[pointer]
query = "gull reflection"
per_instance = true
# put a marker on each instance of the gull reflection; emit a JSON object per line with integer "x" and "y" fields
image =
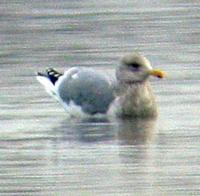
{"x": 87, "y": 130}
{"x": 138, "y": 131}
{"x": 123, "y": 132}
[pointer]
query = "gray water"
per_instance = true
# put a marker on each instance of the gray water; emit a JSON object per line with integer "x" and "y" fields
{"x": 44, "y": 153}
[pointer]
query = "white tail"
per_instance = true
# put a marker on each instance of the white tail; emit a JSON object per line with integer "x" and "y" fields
{"x": 48, "y": 85}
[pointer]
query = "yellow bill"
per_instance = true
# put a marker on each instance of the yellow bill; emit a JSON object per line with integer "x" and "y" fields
{"x": 157, "y": 73}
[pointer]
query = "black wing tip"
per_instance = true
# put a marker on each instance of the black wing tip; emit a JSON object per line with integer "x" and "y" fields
{"x": 40, "y": 74}
{"x": 52, "y": 71}
{"x": 49, "y": 69}
{"x": 51, "y": 74}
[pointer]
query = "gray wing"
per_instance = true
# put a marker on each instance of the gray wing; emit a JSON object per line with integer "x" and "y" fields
{"x": 87, "y": 89}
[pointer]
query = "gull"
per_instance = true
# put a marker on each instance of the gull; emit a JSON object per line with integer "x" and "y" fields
{"x": 85, "y": 92}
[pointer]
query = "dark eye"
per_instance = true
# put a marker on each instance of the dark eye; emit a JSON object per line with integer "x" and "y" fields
{"x": 134, "y": 65}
